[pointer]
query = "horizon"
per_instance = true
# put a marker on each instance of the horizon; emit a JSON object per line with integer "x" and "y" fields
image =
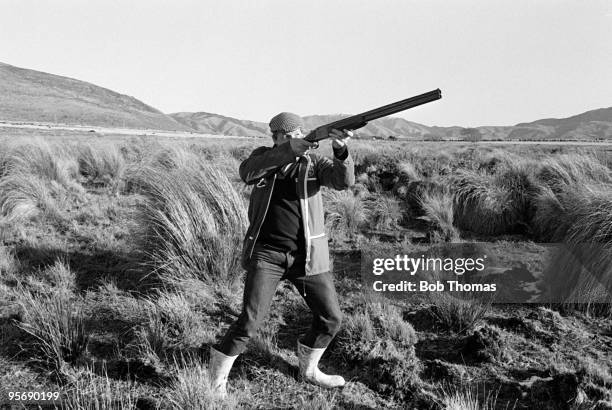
{"x": 497, "y": 64}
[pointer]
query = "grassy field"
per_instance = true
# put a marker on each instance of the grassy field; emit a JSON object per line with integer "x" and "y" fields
{"x": 119, "y": 267}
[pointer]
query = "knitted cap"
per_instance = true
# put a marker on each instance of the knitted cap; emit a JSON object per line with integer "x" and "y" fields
{"x": 286, "y": 122}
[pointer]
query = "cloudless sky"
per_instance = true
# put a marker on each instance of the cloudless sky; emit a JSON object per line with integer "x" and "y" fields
{"x": 498, "y": 62}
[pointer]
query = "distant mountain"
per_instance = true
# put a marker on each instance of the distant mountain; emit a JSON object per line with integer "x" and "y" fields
{"x": 207, "y": 123}
{"x": 34, "y": 96}
{"x": 28, "y": 95}
{"x": 595, "y": 124}
{"x": 217, "y": 124}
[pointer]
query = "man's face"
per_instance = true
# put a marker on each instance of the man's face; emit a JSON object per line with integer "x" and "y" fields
{"x": 282, "y": 138}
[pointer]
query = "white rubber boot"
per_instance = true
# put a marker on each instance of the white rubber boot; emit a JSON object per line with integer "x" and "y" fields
{"x": 309, "y": 359}
{"x": 219, "y": 367}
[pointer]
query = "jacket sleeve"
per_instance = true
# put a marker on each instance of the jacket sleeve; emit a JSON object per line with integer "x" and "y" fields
{"x": 264, "y": 161}
{"x": 338, "y": 173}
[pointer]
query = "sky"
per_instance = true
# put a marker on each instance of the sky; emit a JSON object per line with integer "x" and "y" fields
{"x": 497, "y": 62}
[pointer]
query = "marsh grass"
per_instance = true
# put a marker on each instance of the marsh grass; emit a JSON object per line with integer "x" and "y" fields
{"x": 192, "y": 224}
{"x": 408, "y": 172}
{"x": 459, "y": 315}
{"x": 569, "y": 169}
{"x": 318, "y": 402}
{"x": 101, "y": 166}
{"x": 90, "y": 391}
{"x": 42, "y": 160}
{"x": 383, "y": 212}
{"x": 459, "y": 312}
{"x": 167, "y": 324}
{"x": 574, "y": 207}
{"x": 24, "y": 196}
{"x": 4, "y": 158}
{"x": 376, "y": 339}
{"x": 191, "y": 388}
{"x": 184, "y": 325}
{"x": 494, "y": 204}
{"x": 466, "y": 397}
{"x": 57, "y": 324}
{"x": 387, "y": 318}
{"x": 9, "y": 264}
{"x": 438, "y": 207}
{"x": 345, "y": 213}
{"x": 193, "y": 219}
{"x": 60, "y": 275}
{"x": 597, "y": 372}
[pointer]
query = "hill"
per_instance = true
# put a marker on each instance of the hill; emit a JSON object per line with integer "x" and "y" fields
{"x": 591, "y": 125}
{"x": 34, "y": 96}
{"x": 594, "y": 124}
{"x": 218, "y": 124}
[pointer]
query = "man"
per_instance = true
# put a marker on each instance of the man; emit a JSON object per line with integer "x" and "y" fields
{"x": 286, "y": 240}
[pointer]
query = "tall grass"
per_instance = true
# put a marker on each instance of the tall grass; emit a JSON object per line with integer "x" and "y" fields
{"x": 57, "y": 324}
{"x": 383, "y": 212}
{"x": 438, "y": 207}
{"x": 191, "y": 388}
{"x": 458, "y": 314}
{"x": 345, "y": 213}
{"x": 408, "y": 172}
{"x": 494, "y": 204}
{"x": 24, "y": 196}
{"x": 101, "y": 165}
{"x": 60, "y": 275}
{"x": 569, "y": 169}
{"x": 4, "y": 158}
{"x": 169, "y": 325}
{"x": 466, "y": 398}
{"x": 92, "y": 392}
{"x": 41, "y": 160}
{"x": 175, "y": 157}
{"x": 574, "y": 206}
{"x": 9, "y": 265}
{"x": 36, "y": 179}
{"x": 376, "y": 339}
{"x": 194, "y": 220}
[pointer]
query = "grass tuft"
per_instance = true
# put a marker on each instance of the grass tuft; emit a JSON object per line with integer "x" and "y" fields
{"x": 24, "y": 196}
{"x": 383, "y": 212}
{"x": 466, "y": 398}
{"x": 92, "y": 392}
{"x": 345, "y": 213}
{"x": 194, "y": 219}
{"x": 57, "y": 324}
{"x": 101, "y": 166}
{"x": 438, "y": 208}
{"x": 191, "y": 389}
{"x": 457, "y": 314}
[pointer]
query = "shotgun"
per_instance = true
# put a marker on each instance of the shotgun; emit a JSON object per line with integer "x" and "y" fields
{"x": 361, "y": 120}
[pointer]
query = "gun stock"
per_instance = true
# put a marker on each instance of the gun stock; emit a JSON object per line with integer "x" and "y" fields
{"x": 361, "y": 120}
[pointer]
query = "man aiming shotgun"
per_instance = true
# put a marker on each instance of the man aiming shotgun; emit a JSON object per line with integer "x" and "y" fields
{"x": 286, "y": 237}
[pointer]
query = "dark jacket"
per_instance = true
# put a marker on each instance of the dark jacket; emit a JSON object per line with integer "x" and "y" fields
{"x": 314, "y": 171}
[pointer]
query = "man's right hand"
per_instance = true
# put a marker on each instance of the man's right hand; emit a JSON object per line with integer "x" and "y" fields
{"x": 300, "y": 146}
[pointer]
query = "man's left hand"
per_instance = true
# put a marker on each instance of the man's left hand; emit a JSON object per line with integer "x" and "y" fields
{"x": 340, "y": 138}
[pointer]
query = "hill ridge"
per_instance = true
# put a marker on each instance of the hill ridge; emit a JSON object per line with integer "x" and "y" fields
{"x": 30, "y": 95}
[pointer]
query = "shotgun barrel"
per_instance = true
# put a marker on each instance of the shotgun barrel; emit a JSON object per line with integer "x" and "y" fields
{"x": 361, "y": 120}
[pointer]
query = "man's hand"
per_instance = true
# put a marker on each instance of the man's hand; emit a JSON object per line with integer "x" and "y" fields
{"x": 340, "y": 138}
{"x": 300, "y": 146}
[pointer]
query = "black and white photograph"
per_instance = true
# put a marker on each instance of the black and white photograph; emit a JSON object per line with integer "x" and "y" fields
{"x": 312, "y": 205}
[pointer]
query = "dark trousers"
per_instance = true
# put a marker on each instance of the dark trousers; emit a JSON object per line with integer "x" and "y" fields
{"x": 266, "y": 269}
